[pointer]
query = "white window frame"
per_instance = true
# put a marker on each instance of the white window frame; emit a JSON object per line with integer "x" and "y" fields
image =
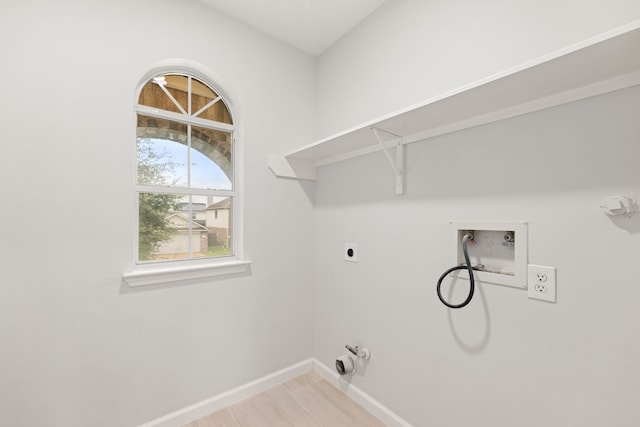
{"x": 163, "y": 272}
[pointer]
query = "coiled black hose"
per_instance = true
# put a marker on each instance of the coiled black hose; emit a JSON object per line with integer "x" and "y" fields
{"x": 467, "y": 267}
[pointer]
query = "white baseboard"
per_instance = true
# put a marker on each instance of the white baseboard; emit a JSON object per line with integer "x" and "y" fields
{"x": 375, "y": 408}
{"x": 222, "y": 400}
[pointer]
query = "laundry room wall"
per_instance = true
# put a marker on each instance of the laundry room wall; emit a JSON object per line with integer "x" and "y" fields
{"x": 78, "y": 347}
{"x": 504, "y": 359}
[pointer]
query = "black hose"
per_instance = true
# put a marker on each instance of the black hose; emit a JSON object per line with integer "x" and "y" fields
{"x": 468, "y": 267}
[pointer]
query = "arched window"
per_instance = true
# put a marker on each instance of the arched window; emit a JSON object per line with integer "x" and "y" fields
{"x": 186, "y": 184}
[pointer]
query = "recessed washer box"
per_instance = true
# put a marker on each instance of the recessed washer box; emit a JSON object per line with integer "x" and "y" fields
{"x": 498, "y": 247}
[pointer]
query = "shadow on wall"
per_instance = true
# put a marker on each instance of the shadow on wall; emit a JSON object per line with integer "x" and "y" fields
{"x": 476, "y": 340}
{"x": 629, "y": 223}
{"x": 583, "y": 145}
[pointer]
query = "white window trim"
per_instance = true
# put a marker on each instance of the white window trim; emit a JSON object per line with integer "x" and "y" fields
{"x": 157, "y": 274}
{"x": 175, "y": 271}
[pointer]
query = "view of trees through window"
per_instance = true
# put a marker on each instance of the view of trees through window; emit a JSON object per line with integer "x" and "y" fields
{"x": 185, "y": 170}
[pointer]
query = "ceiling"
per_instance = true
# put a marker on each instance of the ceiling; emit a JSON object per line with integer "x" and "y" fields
{"x": 309, "y": 25}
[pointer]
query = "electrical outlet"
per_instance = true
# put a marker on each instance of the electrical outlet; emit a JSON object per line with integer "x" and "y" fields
{"x": 541, "y": 282}
{"x": 351, "y": 252}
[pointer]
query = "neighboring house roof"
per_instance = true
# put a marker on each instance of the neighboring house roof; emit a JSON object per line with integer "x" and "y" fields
{"x": 222, "y": 204}
{"x": 192, "y": 206}
{"x": 182, "y": 222}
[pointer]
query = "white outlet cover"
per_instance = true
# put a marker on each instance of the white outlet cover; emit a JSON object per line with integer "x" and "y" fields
{"x": 354, "y": 252}
{"x": 541, "y": 282}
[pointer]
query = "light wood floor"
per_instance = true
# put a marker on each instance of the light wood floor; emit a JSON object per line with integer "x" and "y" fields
{"x": 307, "y": 400}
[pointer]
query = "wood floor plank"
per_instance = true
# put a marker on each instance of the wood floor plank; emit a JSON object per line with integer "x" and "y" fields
{"x": 200, "y": 422}
{"x": 303, "y": 380}
{"x": 203, "y": 422}
{"x": 294, "y": 410}
{"x": 272, "y": 408}
{"x": 222, "y": 418}
{"x": 331, "y": 407}
{"x": 305, "y": 401}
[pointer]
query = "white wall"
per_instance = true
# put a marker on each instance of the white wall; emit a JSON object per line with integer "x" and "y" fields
{"x": 410, "y": 50}
{"x": 504, "y": 360}
{"x": 77, "y": 348}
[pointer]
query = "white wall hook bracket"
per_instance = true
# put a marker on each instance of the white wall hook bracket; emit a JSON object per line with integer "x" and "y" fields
{"x": 396, "y": 160}
{"x": 619, "y": 205}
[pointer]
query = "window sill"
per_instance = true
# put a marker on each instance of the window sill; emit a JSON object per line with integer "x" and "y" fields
{"x": 166, "y": 274}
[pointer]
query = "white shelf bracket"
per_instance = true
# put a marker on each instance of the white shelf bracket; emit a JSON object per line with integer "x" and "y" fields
{"x": 395, "y": 160}
{"x": 291, "y": 168}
